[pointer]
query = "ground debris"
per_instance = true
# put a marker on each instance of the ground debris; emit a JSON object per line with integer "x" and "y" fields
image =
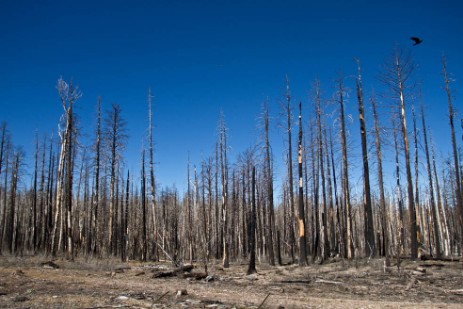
{"x": 20, "y": 298}
{"x": 333, "y": 285}
{"x": 327, "y": 281}
{"x": 49, "y": 265}
{"x": 18, "y": 273}
{"x": 181, "y": 293}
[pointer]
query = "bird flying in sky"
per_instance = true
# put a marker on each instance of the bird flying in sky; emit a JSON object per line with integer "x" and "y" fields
{"x": 416, "y": 40}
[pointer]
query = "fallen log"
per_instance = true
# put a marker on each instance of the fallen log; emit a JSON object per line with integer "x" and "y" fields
{"x": 327, "y": 281}
{"x": 176, "y": 272}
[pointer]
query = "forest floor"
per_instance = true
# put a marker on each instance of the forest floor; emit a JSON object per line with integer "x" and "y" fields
{"x": 34, "y": 282}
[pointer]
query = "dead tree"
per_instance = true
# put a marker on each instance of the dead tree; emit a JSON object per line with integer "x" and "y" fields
{"x": 401, "y": 231}
{"x": 458, "y": 193}
{"x": 420, "y": 210}
{"x": 252, "y": 240}
{"x": 96, "y": 245}
{"x": 115, "y": 140}
{"x": 435, "y": 211}
{"x": 152, "y": 179}
{"x": 3, "y": 152}
{"x": 369, "y": 233}
{"x": 301, "y": 210}
{"x": 33, "y": 223}
{"x": 292, "y": 240}
{"x": 397, "y": 77}
{"x": 68, "y": 95}
{"x": 440, "y": 204}
{"x": 269, "y": 179}
{"x": 345, "y": 175}
{"x": 382, "y": 200}
{"x": 224, "y": 178}
{"x": 143, "y": 209}
{"x": 321, "y": 229}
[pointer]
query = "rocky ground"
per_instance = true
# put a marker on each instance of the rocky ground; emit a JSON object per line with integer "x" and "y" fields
{"x": 37, "y": 282}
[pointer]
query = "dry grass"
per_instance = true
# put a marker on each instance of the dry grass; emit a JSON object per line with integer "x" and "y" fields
{"x": 25, "y": 283}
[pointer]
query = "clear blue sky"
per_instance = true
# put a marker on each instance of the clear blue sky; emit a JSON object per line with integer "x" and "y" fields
{"x": 201, "y": 57}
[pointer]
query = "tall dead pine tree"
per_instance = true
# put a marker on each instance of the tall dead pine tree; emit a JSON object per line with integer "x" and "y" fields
{"x": 68, "y": 95}
{"x": 292, "y": 240}
{"x": 301, "y": 211}
{"x": 369, "y": 233}
{"x": 252, "y": 240}
{"x": 396, "y": 77}
{"x": 382, "y": 199}
{"x": 224, "y": 174}
{"x": 115, "y": 138}
{"x": 435, "y": 211}
{"x": 152, "y": 179}
{"x": 345, "y": 175}
{"x": 459, "y": 197}
{"x": 269, "y": 178}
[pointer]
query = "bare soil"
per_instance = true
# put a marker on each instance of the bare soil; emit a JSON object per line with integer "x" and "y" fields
{"x": 29, "y": 283}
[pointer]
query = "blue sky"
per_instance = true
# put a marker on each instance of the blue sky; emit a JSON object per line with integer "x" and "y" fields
{"x": 203, "y": 57}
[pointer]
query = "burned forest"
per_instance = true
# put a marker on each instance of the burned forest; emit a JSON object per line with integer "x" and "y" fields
{"x": 357, "y": 195}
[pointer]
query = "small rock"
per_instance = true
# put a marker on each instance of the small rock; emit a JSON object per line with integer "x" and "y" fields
{"x": 280, "y": 307}
{"x": 181, "y": 293}
{"x": 140, "y": 274}
{"x": 121, "y": 298}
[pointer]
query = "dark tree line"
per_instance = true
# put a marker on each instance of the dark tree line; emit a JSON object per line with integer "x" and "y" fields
{"x": 81, "y": 201}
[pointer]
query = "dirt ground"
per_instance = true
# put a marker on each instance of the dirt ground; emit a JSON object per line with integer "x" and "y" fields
{"x": 31, "y": 283}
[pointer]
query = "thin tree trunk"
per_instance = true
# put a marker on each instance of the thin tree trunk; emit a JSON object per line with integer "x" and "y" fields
{"x": 458, "y": 193}
{"x": 369, "y": 233}
{"x": 301, "y": 210}
{"x": 382, "y": 200}
{"x": 152, "y": 179}
{"x": 345, "y": 175}
{"x": 224, "y": 173}
{"x": 252, "y": 240}
{"x": 269, "y": 177}
{"x": 292, "y": 240}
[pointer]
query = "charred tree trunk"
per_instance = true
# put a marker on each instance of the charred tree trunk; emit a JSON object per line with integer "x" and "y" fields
{"x": 301, "y": 210}
{"x": 345, "y": 176}
{"x": 458, "y": 193}
{"x": 269, "y": 177}
{"x": 252, "y": 240}
{"x": 369, "y": 233}
{"x": 152, "y": 179}
{"x": 382, "y": 200}
{"x": 3, "y": 191}
{"x": 224, "y": 174}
